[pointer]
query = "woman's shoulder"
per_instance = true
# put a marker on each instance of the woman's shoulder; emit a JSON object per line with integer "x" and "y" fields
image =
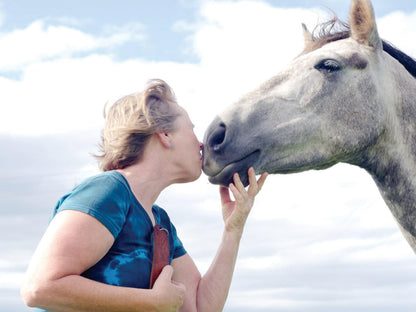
{"x": 110, "y": 177}
{"x": 104, "y": 196}
{"x": 98, "y": 190}
{"x": 105, "y": 182}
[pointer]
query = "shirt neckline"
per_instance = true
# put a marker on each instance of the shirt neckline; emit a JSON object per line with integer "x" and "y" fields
{"x": 135, "y": 199}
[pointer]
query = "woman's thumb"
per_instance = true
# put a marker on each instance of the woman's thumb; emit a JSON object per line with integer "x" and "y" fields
{"x": 166, "y": 273}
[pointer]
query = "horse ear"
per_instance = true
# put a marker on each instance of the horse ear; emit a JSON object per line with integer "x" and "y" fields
{"x": 307, "y": 36}
{"x": 363, "y": 23}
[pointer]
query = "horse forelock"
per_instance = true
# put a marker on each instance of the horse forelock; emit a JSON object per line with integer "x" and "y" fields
{"x": 335, "y": 29}
{"x": 326, "y": 32}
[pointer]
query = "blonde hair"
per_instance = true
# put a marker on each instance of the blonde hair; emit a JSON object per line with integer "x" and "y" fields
{"x": 132, "y": 120}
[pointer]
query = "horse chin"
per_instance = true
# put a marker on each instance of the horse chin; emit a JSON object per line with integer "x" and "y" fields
{"x": 225, "y": 176}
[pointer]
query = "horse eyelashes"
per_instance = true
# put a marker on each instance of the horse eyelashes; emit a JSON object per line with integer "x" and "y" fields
{"x": 328, "y": 65}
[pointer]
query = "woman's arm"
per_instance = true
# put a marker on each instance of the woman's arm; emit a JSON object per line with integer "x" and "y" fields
{"x": 210, "y": 292}
{"x": 73, "y": 242}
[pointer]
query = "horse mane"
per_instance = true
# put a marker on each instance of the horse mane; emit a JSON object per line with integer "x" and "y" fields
{"x": 335, "y": 29}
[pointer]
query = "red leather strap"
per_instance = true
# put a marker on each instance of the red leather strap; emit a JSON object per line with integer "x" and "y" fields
{"x": 160, "y": 252}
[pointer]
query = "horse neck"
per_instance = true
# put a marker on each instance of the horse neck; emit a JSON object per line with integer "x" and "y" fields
{"x": 397, "y": 185}
{"x": 392, "y": 161}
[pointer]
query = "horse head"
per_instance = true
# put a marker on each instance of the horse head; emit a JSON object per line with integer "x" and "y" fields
{"x": 328, "y": 106}
{"x": 344, "y": 99}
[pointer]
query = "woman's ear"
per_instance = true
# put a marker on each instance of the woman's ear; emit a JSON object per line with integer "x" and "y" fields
{"x": 165, "y": 139}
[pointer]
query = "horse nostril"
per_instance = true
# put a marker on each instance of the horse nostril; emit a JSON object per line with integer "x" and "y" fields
{"x": 217, "y": 137}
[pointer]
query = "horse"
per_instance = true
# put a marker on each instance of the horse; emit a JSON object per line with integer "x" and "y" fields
{"x": 349, "y": 97}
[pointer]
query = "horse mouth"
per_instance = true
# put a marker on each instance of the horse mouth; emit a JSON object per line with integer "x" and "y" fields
{"x": 225, "y": 176}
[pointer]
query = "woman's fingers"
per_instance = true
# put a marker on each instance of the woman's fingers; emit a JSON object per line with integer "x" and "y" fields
{"x": 262, "y": 179}
{"x": 238, "y": 189}
{"x": 237, "y": 181}
{"x": 255, "y": 185}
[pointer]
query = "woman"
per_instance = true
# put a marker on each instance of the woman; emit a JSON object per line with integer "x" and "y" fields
{"x": 96, "y": 254}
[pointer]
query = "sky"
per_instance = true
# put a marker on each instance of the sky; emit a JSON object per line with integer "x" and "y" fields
{"x": 315, "y": 241}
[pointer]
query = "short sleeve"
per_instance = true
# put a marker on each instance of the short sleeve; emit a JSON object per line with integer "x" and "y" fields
{"x": 178, "y": 249}
{"x": 103, "y": 197}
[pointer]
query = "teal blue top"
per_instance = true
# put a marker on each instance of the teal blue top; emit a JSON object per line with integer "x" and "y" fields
{"x": 108, "y": 198}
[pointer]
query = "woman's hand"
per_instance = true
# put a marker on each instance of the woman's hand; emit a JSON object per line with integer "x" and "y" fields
{"x": 209, "y": 293}
{"x": 170, "y": 294}
{"x": 235, "y": 213}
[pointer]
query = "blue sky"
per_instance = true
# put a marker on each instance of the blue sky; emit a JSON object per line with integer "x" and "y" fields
{"x": 316, "y": 241}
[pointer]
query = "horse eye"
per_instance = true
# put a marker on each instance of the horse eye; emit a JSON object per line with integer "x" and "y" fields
{"x": 328, "y": 65}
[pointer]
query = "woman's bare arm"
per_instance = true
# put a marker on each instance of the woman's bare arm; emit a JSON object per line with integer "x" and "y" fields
{"x": 73, "y": 242}
{"x": 209, "y": 293}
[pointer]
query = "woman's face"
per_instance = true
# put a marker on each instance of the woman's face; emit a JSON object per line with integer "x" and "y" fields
{"x": 187, "y": 148}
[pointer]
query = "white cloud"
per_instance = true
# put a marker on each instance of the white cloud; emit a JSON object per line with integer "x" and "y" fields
{"x": 40, "y": 41}
{"x": 399, "y": 28}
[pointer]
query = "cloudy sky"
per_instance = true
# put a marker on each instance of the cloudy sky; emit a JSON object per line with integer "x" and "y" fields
{"x": 316, "y": 241}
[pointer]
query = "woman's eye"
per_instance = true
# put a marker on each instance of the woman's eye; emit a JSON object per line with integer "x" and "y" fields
{"x": 328, "y": 65}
